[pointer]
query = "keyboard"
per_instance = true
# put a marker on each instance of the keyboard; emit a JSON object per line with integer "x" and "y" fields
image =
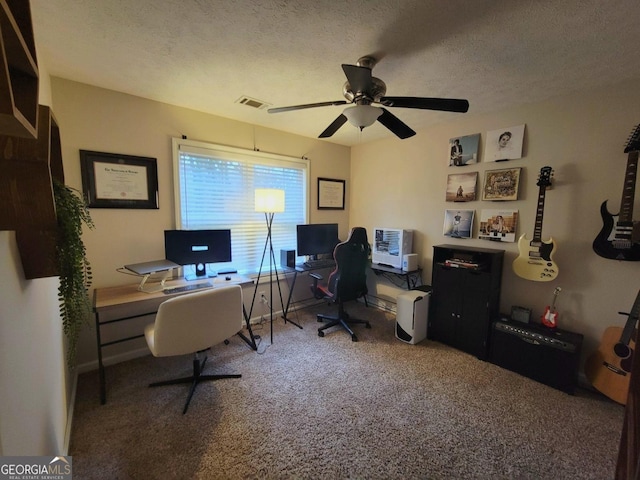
{"x": 187, "y": 288}
{"x": 322, "y": 263}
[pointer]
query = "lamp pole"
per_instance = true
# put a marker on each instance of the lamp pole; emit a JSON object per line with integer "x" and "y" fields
{"x": 270, "y": 201}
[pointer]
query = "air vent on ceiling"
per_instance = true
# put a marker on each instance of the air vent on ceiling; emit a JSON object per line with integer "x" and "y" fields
{"x": 252, "y": 102}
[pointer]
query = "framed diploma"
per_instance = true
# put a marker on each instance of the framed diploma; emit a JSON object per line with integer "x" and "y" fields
{"x": 331, "y": 194}
{"x": 111, "y": 180}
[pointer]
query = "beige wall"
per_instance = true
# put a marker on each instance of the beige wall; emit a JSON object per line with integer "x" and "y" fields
{"x": 392, "y": 183}
{"x": 91, "y": 118}
{"x": 401, "y": 184}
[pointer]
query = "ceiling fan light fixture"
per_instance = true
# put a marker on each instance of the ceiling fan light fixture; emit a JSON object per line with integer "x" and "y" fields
{"x": 362, "y": 116}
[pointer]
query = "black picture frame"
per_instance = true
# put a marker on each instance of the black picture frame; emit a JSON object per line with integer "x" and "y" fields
{"x": 331, "y": 193}
{"x": 113, "y": 180}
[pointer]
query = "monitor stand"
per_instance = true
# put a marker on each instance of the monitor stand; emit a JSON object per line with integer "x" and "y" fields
{"x": 201, "y": 273}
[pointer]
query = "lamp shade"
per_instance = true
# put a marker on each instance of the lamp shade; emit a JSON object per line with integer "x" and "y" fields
{"x": 270, "y": 200}
{"x": 362, "y": 115}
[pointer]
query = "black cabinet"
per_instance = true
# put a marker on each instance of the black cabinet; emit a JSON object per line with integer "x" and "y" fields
{"x": 465, "y": 296}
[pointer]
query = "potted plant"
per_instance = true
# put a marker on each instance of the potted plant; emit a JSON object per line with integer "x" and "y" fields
{"x": 73, "y": 266}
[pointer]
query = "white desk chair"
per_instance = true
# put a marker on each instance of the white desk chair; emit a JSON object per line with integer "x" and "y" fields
{"x": 192, "y": 323}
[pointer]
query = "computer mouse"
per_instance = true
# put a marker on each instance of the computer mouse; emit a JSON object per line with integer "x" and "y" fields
{"x": 227, "y": 277}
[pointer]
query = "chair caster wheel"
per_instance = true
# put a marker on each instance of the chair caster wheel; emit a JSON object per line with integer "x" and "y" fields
{"x": 320, "y": 334}
{"x": 367, "y": 325}
{"x": 354, "y": 338}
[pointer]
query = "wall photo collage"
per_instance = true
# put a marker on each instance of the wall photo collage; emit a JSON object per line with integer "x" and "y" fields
{"x": 498, "y": 185}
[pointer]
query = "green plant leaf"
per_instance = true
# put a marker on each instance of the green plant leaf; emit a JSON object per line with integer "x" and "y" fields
{"x": 73, "y": 266}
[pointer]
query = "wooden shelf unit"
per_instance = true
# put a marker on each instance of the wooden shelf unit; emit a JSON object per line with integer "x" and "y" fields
{"x": 19, "y": 81}
{"x": 30, "y": 149}
{"x": 27, "y": 204}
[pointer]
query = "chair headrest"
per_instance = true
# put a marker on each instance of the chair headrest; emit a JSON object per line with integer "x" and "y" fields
{"x": 358, "y": 235}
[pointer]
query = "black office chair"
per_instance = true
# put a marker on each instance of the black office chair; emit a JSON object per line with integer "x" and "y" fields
{"x": 347, "y": 282}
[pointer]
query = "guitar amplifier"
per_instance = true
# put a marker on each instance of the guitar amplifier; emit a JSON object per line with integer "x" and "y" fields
{"x": 549, "y": 356}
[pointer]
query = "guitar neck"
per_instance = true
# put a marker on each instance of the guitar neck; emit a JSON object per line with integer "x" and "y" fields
{"x": 631, "y": 321}
{"x": 537, "y": 229}
{"x": 629, "y": 190}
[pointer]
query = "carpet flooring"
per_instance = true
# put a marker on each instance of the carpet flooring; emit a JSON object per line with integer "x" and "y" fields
{"x": 328, "y": 408}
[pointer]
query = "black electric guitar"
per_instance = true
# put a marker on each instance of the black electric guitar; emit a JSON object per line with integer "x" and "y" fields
{"x": 608, "y": 368}
{"x": 618, "y": 238}
{"x": 535, "y": 261}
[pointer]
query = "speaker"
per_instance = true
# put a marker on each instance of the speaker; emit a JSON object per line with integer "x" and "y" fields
{"x": 548, "y": 356}
{"x": 410, "y": 262}
{"x": 288, "y": 258}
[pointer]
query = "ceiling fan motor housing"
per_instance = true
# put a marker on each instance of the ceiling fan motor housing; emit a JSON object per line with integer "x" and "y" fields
{"x": 377, "y": 90}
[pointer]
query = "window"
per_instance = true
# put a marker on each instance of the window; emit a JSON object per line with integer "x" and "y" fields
{"x": 214, "y": 188}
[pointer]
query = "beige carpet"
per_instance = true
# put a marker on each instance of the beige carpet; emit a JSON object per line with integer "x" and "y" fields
{"x": 326, "y": 408}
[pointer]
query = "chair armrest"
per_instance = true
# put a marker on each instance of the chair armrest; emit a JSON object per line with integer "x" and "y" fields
{"x": 315, "y": 289}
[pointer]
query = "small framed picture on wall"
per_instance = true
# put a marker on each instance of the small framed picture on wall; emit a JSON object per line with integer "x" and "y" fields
{"x": 501, "y": 184}
{"x": 331, "y": 194}
{"x": 461, "y": 187}
{"x": 463, "y": 150}
{"x": 504, "y": 144}
{"x": 458, "y": 223}
{"x": 498, "y": 225}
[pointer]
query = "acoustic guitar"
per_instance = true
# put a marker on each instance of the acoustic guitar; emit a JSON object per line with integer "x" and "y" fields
{"x": 609, "y": 367}
{"x": 535, "y": 259}
{"x": 618, "y": 238}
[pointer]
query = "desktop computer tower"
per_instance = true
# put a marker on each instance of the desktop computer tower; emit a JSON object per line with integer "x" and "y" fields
{"x": 412, "y": 315}
{"x": 288, "y": 258}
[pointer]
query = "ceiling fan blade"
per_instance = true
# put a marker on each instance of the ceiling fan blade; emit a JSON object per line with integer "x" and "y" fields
{"x": 308, "y": 105}
{"x": 333, "y": 128}
{"x": 425, "y": 103}
{"x": 397, "y": 126}
{"x": 359, "y": 77}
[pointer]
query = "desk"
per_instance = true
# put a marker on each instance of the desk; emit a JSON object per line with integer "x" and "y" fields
{"x": 413, "y": 278}
{"x": 126, "y": 302}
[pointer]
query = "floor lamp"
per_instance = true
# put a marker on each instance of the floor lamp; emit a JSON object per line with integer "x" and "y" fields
{"x": 270, "y": 201}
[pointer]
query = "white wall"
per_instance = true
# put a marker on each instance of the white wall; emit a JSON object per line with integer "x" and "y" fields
{"x": 401, "y": 184}
{"x": 33, "y": 377}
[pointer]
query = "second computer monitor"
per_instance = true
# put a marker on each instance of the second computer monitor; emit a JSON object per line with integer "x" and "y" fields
{"x": 197, "y": 247}
{"x": 316, "y": 239}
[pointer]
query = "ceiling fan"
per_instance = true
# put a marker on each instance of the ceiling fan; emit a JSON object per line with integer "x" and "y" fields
{"x": 362, "y": 89}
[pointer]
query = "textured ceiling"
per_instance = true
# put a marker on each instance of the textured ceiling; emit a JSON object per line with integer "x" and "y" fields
{"x": 205, "y": 54}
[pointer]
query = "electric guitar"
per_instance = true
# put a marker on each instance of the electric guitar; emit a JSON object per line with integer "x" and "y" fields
{"x": 618, "y": 234}
{"x": 550, "y": 315}
{"x": 535, "y": 260}
{"x": 608, "y": 368}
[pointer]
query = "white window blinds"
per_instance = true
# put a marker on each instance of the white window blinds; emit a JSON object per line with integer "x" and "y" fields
{"x": 214, "y": 188}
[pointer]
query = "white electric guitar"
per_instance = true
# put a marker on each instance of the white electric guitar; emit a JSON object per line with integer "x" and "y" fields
{"x": 535, "y": 261}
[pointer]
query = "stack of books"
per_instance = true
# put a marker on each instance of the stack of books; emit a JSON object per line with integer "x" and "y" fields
{"x": 459, "y": 263}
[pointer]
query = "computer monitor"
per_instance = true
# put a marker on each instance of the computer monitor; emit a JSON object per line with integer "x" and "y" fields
{"x": 197, "y": 247}
{"x": 316, "y": 239}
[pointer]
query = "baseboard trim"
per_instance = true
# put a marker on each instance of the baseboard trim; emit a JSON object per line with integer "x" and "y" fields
{"x": 113, "y": 359}
{"x": 70, "y": 411}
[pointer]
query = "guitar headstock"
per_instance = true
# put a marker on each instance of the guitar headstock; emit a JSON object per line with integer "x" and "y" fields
{"x": 633, "y": 143}
{"x": 544, "y": 179}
